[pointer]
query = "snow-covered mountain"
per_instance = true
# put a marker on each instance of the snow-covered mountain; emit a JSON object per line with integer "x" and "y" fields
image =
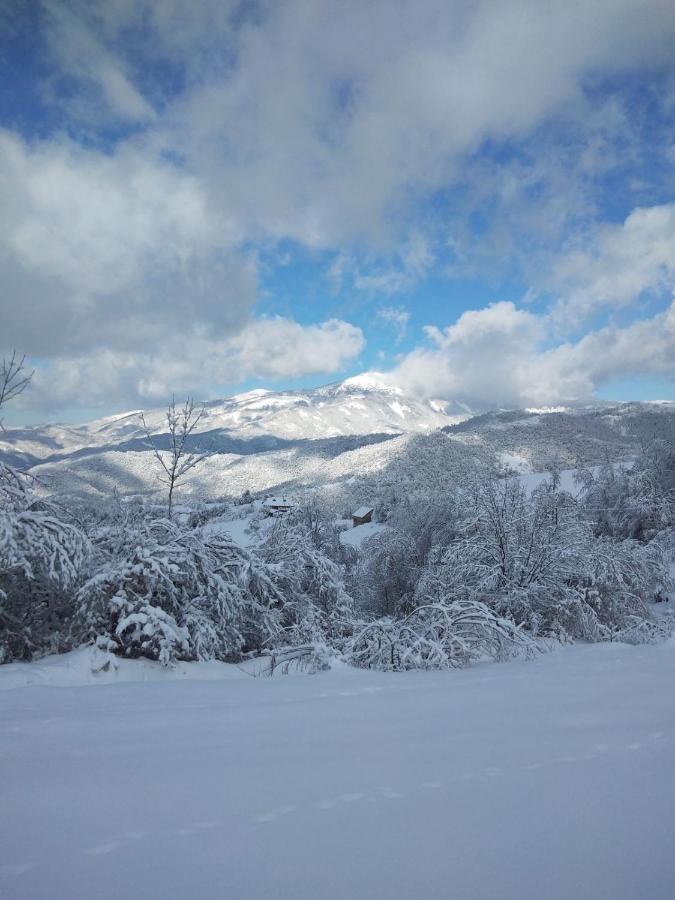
{"x": 250, "y": 422}
{"x": 341, "y": 433}
{"x": 364, "y": 404}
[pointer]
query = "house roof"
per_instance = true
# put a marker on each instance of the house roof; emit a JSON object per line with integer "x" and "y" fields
{"x": 277, "y": 501}
{"x": 362, "y": 511}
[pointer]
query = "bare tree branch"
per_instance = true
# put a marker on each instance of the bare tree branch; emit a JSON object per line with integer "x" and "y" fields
{"x": 181, "y": 424}
{"x": 14, "y": 379}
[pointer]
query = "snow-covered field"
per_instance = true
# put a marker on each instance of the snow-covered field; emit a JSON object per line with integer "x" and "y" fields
{"x": 552, "y": 778}
{"x": 354, "y": 537}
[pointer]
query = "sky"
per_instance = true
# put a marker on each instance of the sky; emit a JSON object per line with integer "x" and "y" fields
{"x": 476, "y": 199}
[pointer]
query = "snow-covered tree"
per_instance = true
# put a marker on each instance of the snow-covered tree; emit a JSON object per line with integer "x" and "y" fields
{"x": 536, "y": 560}
{"x": 431, "y": 519}
{"x": 316, "y": 605}
{"x": 637, "y": 501}
{"x": 387, "y": 572}
{"x": 14, "y": 378}
{"x": 42, "y": 559}
{"x": 437, "y": 636}
{"x": 175, "y": 593}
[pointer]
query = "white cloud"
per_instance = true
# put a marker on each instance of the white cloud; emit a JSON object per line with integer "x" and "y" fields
{"x": 481, "y": 360}
{"x": 117, "y": 269}
{"x": 401, "y": 270}
{"x": 498, "y": 357}
{"x": 100, "y": 72}
{"x": 324, "y": 123}
{"x": 396, "y": 316}
{"x": 646, "y": 347}
{"x": 193, "y": 363}
{"x": 327, "y": 124}
{"x": 281, "y": 348}
{"x": 335, "y": 117}
{"x": 623, "y": 262}
{"x": 113, "y": 250}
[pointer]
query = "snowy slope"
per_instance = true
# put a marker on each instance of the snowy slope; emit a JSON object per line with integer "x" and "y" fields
{"x": 532, "y": 439}
{"x": 551, "y": 778}
{"x": 358, "y": 406}
{"x": 267, "y": 441}
{"x": 263, "y": 439}
{"x": 407, "y": 460}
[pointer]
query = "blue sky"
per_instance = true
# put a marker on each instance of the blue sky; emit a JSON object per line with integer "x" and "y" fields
{"x": 475, "y": 199}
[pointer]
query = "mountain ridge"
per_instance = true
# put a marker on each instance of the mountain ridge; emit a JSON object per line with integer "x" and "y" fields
{"x": 358, "y": 428}
{"x": 361, "y": 405}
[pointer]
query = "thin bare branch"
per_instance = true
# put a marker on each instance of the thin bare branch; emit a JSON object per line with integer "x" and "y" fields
{"x": 178, "y": 460}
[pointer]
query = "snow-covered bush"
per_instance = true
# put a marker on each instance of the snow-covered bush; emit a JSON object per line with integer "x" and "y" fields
{"x": 392, "y": 562}
{"x": 633, "y": 502}
{"x": 387, "y": 572}
{"x": 42, "y": 559}
{"x": 316, "y": 605}
{"x": 309, "y": 658}
{"x": 437, "y": 636}
{"x": 536, "y": 561}
{"x": 175, "y": 593}
{"x": 204, "y": 512}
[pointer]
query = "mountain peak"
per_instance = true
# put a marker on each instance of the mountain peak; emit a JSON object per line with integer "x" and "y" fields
{"x": 369, "y": 381}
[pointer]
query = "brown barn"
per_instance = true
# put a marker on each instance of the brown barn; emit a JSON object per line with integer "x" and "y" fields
{"x": 362, "y": 515}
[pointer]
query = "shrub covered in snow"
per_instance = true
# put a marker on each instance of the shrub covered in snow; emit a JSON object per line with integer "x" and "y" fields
{"x": 633, "y": 502}
{"x": 536, "y": 560}
{"x": 173, "y": 593}
{"x": 42, "y": 559}
{"x": 437, "y": 636}
{"x": 316, "y": 605}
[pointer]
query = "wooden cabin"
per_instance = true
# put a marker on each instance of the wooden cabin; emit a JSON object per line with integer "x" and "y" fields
{"x": 362, "y": 515}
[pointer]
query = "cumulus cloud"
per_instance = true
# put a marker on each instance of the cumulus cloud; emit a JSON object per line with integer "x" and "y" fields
{"x": 500, "y": 356}
{"x": 117, "y": 250}
{"x": 192, "y": 135}
{"x": 575, "y": 371}
{"x": 193, "y": 363}
{"x": 481, "y": 360}
{"x": 624, "y": 262}
{"x": 335, "y": 116}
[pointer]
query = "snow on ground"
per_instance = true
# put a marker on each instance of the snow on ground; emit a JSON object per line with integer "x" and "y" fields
{"x": 238, "y": 529}
{"x": 551, "y": 778}
{"x": 532, "y": 480}
{"x": 515, "y": 462}
{"x": 354, "y": 537}
{"x": 87, "y": 665}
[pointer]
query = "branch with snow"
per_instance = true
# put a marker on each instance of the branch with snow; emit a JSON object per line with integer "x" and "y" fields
{"x": 438, "y": 636}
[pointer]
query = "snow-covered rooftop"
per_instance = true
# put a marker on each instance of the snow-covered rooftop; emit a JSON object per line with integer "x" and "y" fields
{"x": 362, "y": 511}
